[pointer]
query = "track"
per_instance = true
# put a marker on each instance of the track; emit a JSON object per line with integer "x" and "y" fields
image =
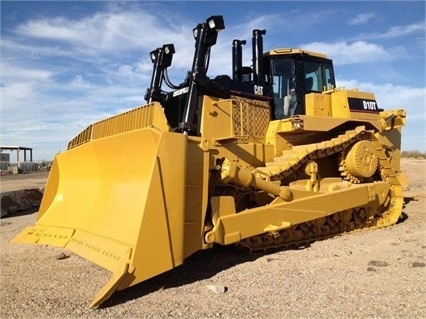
{"x": 357, "y": 218}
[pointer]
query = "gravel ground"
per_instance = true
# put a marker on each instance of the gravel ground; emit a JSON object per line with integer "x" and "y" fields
{"x": 366, "y": 274}
{"x": 22, "y": 181}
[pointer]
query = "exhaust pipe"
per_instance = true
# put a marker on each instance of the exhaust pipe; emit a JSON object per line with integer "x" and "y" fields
{"x": 237, "y": 59}
{"x": 257, "y": 46}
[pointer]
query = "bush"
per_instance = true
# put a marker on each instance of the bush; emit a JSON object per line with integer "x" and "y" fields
{"x": 413, "y": 154}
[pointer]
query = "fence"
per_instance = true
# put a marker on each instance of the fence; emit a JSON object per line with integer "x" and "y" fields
{"x": 24, "y": 167}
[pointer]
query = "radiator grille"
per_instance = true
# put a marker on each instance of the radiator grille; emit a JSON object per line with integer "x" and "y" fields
{"x": 250, "y": 117}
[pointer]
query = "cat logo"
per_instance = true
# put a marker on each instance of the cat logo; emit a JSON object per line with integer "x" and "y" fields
{"x": 258, "y": 90}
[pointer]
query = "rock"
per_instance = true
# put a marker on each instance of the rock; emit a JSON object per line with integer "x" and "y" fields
{"x": 61, "y": 256}
{"x": 378, "y": 263}
{"x": 371, "y": 269}
{"x": 217, "y": 288}
{"x": 417, "y": 264}
{"x": 2, "y": 223}
{"x": 14, "y": 201}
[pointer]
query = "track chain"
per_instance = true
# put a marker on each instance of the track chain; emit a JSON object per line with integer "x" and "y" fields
{"x": 341, "y": 222}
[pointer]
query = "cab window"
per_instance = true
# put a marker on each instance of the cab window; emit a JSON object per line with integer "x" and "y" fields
{"x": 284, "y": 85}
{"x": 317, "y": 76}
{"x": 312, "y": 77}
{"x": 329, "y": 77}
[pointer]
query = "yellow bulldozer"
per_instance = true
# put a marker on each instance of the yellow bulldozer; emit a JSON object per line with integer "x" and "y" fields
{"x": 271, "y": 156}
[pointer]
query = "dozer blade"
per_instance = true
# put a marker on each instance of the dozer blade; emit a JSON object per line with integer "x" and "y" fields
{"x": 117, "y": 201}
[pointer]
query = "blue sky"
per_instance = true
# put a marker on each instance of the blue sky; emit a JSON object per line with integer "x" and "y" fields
{"x": 67, "y": 64}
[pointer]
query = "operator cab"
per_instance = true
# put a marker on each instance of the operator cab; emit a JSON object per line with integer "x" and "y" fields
{"x": 293, "y": 73}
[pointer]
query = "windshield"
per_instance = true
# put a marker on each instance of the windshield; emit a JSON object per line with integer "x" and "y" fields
{"x": 284, "y": 86}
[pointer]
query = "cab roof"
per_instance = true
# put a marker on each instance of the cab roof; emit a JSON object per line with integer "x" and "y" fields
{"x": 289, "y": 51}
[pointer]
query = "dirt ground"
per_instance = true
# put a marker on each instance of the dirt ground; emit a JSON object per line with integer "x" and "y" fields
{"x": 22, "y": 181}
{"x": 365, "y": 274}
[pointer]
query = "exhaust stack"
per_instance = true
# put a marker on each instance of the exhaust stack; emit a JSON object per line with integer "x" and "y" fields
{"x": 257, "y": 46}
{"x": 237, "y": 59}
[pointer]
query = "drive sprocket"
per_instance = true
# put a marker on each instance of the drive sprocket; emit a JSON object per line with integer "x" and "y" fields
{"x": 359, "y": 162}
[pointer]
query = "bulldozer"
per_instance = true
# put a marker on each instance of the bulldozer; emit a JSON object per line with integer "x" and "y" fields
{"x": 273, "y": 155}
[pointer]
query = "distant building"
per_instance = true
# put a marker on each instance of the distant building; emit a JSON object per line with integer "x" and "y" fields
{"x": 18, "y": 149}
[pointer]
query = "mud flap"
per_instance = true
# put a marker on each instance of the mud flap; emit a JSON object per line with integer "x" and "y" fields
{"x": 118, "y": 202}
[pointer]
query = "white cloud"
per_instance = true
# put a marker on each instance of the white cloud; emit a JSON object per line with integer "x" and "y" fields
{"x": 396, "y": 31}
{"x": 52, "y": 29}
{"x": 104, "y": 32}
{"x": 399, "y": 31}
{"x": 79, "y": 81}
{"x": 362, "y": 18}
{"x": 11, "y": 72}
{"x": 15, "y": 100}
{"x": 356, "y": 52}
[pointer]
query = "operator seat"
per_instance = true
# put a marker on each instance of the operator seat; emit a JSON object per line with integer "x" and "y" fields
{"x": 290, "y": 103}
